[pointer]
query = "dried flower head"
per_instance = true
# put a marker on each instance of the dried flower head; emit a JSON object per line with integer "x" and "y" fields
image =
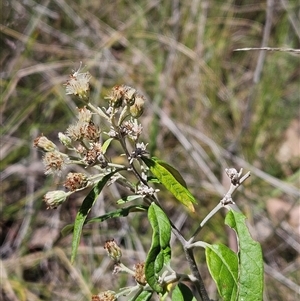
{"x": 54, "y": 162}
{"x": 44, "y": 144}
{"x": 78, "y": 84}
{"x": 120, "y": 94}
{"x": 91, "y": 132}
{"x": 131, "y": 129}
{"x": 54, "y": 198}
{"x": 83, "y": 130}
{"x": 113, "y": 250}
{"x": 105, "y": 296}
{"x": 75, "y": 181}
{"x": 74, "y": 131}
{"x": 84, "y": 115}
{"x": 139, "y": 276}
{"x": 115, "y": 97}
{"x": 92, "y": 155}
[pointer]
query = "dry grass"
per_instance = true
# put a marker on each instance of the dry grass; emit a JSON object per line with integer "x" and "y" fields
{"x": 208, "y": 108}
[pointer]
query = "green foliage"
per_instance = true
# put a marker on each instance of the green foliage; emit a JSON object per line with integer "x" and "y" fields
{"x": 222, "y": 263}
{"x": 251, "y": 270}
{"x": 182, "y": 293}
{"x": 172, "y": 180}
{"x": 159, "y": 254}
{"x": 182, "y": 57}
{"x": 113, "y": 214}
{"x": 143, "y": 296}
{"x": 238, "y": 276}
{"x": 84, "y": 210}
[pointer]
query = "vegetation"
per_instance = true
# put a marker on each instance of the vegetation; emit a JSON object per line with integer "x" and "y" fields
{"x": 207, "y": 108}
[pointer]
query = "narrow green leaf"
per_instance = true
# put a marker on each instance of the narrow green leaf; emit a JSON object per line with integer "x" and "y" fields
{"x": 112, "y": 214}
{"x": 182, "y": 292}
{"x": 67, "y": 230}
{"x": 222, "y": 263}
{"x": 84, "y": 210}
{"x": 175, "y": 173}
{"x": 152, "y": 179}
{"x": 171, "y": 182}
{"x": 250, "y": 260}
{"x": 118, "y": 213}
{"x": 160, "y": 251}
{"x": 129, "y": 198}
{"x": 143, "y": 296}
{"x": 106, "y": 144}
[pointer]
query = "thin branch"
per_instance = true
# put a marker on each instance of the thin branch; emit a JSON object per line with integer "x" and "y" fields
{"x": 198, "y": 282}
{"x": 193, "y": 266}
{"x": 221, "y": 153}
{"x": 236, "y": 181}
{"x": 297, "y": 51}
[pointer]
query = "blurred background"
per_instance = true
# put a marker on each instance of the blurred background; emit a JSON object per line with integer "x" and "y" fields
{"x": 208, "y": 108}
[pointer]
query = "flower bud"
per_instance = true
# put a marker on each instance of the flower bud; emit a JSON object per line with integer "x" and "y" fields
{"x": 113, "y": 250}
{"x": 54, "y": 198}
{"x": 64, "y": 139}
{"x": 129, "y": 95}
{"x": 44, "y": 144}
{"x": 137, "y": 109}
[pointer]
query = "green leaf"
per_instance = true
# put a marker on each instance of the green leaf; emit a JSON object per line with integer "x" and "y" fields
{"x": 129, "y": 198}
{"x": 250, "y": 260}
{"x": 67, "y": 230}
{"x": 175, "y": 173}
{"x": 118, "y": 213}
{"x": 143, "y": 296}
{"x": 152, "y": 179}
{"x": 106, "y": 144}
{"x": 160, "y": 251}
{"x": 84, "y": 210}
{"x": 172, "y": 180}
{"x": 222, "y": 263}
{"x": 182, "y": 292}
{"x": 112, "y": 214}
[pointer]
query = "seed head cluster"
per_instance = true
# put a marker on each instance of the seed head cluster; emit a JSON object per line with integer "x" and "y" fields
{"x": 85, "y": 143}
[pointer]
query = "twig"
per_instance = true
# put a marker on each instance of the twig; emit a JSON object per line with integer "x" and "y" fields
{"x": 236, "y": 181}
{"x": 198, "y": 282}
{"x": 297, "y": 51}
{"x": 193, "y": 266}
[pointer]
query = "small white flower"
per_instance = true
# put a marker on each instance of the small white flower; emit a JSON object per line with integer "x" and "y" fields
{"x": 146, "y": 190}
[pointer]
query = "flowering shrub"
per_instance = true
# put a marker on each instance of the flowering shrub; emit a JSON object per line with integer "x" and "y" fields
{"x": 238, "y": 276}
